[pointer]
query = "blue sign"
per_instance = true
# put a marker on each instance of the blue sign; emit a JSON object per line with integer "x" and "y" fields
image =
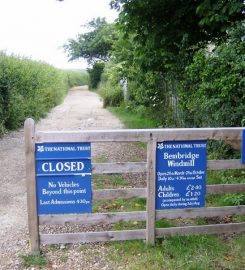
{"x": 63, "y": 174}
{"x": 243, "y": 147}
{"x": 180, "y": 174}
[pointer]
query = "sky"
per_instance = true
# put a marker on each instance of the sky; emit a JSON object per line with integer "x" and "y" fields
{"x": 38, "y": 29}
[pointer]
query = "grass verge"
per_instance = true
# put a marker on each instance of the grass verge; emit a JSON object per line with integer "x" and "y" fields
{"x": 133, "y": 119}
{"x": 181, "y": 252}
{"x": 33, "y": 260}
{"x": 108, "y": 181}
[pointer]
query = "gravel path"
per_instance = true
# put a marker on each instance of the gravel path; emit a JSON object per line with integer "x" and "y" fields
{"x": 81, "y": 109}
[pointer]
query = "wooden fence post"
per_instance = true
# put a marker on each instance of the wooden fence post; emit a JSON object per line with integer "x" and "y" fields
{"x": 151, "y": 185}
{"x": 29, "y": 128}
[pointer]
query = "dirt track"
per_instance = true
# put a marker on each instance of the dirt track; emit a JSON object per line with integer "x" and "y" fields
{"x": 81, "y": 109}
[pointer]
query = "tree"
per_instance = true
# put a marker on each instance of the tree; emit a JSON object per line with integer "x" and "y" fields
{"x": 167, "y": 33}
{"x": 217, "y": 16}
{"x": 95, "y": 45}
{"x": 164, "y": 39}
{"x": 95, "y": 74}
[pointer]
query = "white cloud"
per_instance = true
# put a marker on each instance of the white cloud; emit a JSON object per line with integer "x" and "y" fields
{"x": 39, "y": 28}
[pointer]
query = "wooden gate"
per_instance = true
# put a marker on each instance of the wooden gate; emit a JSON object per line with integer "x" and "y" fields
{"x": 151, "y": 137}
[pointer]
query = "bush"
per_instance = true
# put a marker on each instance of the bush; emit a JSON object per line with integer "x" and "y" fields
{"x": 112, "y": 95}
{"x": 214, "y": 86}
{"x": 77, "y": 78}
{"x": 110, "y": 89}
{"x": 28, "y": 89}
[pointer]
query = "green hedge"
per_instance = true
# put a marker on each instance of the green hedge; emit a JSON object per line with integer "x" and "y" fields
{"x": 28, "y": 89}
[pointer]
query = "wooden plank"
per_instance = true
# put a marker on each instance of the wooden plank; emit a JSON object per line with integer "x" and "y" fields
{"x": 119, "y": 167}
{"x": 132, "y": 167}
{"x": 92, "y": 136}
{"x": 88, "y": 237}
{"x": 29, "y": 132}
{"x": 198, "y": 134}
{"x": 114, "y": 217}
{"x": 95, "y": 218}
{"x": 225, "y": 164}
{"x": 201, "y": 212}
{"x": 126, "y": 193}
{"x": 128, "y": 135}
{"x": 151, "y": 187}
{"x": 204, "y": 229}
{"x": 225, "y": 188}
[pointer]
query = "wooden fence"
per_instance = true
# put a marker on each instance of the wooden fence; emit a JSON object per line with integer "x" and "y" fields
{"x": 151, "y": 137}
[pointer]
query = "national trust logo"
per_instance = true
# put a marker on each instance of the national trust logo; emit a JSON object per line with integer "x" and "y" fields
{"x": 40, "y": 148}
{"x": 160, "y": 146}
